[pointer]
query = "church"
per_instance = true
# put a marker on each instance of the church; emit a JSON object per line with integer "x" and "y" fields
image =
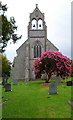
{"x": 32, "y": 48}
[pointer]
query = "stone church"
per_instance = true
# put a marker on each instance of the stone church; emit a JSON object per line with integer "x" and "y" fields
{"x": 32, "y": 48}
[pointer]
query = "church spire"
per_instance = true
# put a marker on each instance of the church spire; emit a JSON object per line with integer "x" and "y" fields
{"x": 36, "y": 5}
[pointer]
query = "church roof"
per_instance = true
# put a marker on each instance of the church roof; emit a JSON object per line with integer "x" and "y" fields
{"x": 52, "y": 44}
{"x": 23, "y": 45}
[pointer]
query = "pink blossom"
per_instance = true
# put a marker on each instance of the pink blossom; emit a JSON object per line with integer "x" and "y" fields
{"x": 62, "y": 68}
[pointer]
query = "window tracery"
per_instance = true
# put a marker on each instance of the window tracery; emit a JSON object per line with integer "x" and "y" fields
{"x": 37, "y": 50}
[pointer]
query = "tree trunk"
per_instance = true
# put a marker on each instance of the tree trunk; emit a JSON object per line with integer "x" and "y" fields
{"x": 48, "y": 77}
{"x": 47, "y": 80}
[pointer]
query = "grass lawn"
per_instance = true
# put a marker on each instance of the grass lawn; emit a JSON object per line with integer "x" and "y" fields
{"x": 0, "y": 100}
{"x": 32, "y": 100}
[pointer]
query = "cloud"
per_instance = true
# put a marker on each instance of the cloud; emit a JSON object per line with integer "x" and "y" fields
{"x": 57, "y": 18}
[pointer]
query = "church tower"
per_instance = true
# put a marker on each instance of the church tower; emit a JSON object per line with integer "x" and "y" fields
{"x": 32, "y": 48}
{"x": 37, "y": 31}
{"x": 37, "y": 36}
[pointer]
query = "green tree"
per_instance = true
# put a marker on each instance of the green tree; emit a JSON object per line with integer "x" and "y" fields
{"x": 6, "y": 65}
{"x": 7, "y": 29}
{"x": 0, "y": 65}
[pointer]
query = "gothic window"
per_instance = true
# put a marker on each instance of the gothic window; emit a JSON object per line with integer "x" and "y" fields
{"x": 34, "y": 24}
{"x": 40, "y": 24}
{"x": 37, "y": 51}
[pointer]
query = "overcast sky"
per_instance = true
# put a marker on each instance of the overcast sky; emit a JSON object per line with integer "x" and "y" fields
{"x": 57, "y": 18}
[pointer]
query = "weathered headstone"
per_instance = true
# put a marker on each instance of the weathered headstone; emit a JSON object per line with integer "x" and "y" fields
{"x": 69, "y": 83}
{"x": 15, "y": 82}
{"x": 52, "y": 88}
{"x": 22, "y": 84}
{"x": 56, "y": 78}
{"x": 7, "y": 87}
{"x": 3, "y": 82}
{"x": 53, "y": 77}
{"x": 44, "y": 76}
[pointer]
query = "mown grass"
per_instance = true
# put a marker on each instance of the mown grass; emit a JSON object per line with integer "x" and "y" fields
{"x": 0, "y": 100}
{"x": 33, "y": 101}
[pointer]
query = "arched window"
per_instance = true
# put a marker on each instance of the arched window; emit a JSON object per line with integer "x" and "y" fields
{"x": 40, "y": 24}
{"x": 37, "y": 51}
{"x": 34, "y": 26}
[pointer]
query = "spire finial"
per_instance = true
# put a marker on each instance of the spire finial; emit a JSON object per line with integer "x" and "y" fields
{"x": 36, "y": 5}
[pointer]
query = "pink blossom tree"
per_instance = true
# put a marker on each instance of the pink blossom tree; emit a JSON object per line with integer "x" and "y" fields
{"x": 72, "y": 69}
{"x": 52, "y": 62}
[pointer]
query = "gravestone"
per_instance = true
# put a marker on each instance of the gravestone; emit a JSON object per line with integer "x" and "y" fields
{"x": 3, "y": 82}
{"x": 7, "y": 87}
{"x": 52, "y": 88}
{"x": 69, "y": 83}
{"x": 53, "y": 77}
{"x": 56, "y": 78}
{"x": 15, "y": 82}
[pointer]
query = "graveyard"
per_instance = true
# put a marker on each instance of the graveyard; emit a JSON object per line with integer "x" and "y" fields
{"x": 31, "y": 99}
{"x": 36, "y": 81}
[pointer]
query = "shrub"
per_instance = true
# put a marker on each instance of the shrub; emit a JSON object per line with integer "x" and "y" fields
{"x": 52, "y": 62}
